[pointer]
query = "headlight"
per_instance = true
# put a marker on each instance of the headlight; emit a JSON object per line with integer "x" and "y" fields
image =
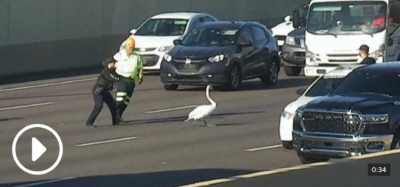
{"x": 167, "y": 57}
{"x": 378, "y": 53}
{"x": 310, "y": 58}
{"x": 217, "y": 58}
{"x": 290, "y": 40}
{"x": 377, "y": 118}
{"x": 287, "y": 115}
{"x": 165, "y": 48}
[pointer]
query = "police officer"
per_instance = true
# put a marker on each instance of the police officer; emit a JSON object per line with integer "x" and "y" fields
{"x": 129, "y": 67}
{"x": 364, "y": 53}
{"x": 101, "y": 93}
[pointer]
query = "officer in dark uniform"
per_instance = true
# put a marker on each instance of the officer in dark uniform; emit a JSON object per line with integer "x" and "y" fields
{"x": 101, "y": 93}
{"x": 364, "y": 53}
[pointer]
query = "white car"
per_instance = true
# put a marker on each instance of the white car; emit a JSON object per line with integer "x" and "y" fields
{"x": 281, "y": 30}
{"x": 156, "y": 35}
{"x": 318, "y": 88}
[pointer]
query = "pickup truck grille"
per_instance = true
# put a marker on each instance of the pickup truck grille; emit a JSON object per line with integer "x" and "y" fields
{"x": 325, "y": 122}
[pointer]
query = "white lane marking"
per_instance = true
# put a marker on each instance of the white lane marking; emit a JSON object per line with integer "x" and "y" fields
{"x": 208, "y": 183}
{"x": 106, "y": 141}
{"x": 26, "y": 106}
{"x": 263, "y": 148}
{"x": 46, "y": 182}
{"x": 170, "y": 109}
{"x": 49, "y": 84}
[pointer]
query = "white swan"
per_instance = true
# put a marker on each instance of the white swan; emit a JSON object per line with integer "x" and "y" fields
{"x": 202, "y": 111}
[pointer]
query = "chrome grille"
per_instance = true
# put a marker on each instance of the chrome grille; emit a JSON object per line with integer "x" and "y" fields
{"x": 187, "y": 67}
{"x": 342, "y": 58}
{"x": 150, "y": 60}
{"x": 144, "y": 49}
{"x": 325, "y": 122}
{"x": 280, "y": 37}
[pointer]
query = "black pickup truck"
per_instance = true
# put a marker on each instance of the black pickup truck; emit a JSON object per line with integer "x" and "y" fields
{"x": 361, "y": 116}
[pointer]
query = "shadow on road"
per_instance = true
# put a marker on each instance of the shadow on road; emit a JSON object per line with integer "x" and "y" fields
{"x": 9, "y": 119}
{"x": 157, "y": 179}
{"x": 49, "y": 75}
{"x": 182, "y": 119}
{"x": 257, "y": 85}
{"x": 45, "y": 96}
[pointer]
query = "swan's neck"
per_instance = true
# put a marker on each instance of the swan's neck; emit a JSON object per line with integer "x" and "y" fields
{"x": 209, "y": 98}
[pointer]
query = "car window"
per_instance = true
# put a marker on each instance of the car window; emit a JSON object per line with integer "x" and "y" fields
{"x": 245, "y": 35}
{"x": 196, "y": 21}
{"x": 207, "y": 19}
{"x": 210, "y": 37}
{"x": 258, "y": 33}
{"x": 321, "y": 87}
{"x": 163, "y": 27}
{"x": 371, "y": 81}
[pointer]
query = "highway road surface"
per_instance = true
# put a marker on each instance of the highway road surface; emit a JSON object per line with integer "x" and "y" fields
{"x": 155, "y": 148}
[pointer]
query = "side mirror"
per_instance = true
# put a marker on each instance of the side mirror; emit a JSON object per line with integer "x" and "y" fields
{"x": 133, "y": 31}
{"x": 296, "y": 18}
{"x": 300, "y": 91}
{"x": 177, "y": 42}
{"x": 390, "y": 42}
{"x": 287, "y": 18}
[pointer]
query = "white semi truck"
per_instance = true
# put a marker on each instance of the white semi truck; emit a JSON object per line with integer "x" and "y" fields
{"x": 335, "y": 30}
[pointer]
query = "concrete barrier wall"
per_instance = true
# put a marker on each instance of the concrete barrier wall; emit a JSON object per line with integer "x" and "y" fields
{"x": 45, "y": 35}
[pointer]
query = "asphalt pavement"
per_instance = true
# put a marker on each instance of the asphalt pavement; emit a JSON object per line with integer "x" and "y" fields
{"x": 156, "y": 148}
{"x": 352, "y": 173}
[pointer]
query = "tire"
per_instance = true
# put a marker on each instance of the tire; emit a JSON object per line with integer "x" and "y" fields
{"x": 287, "y": 144}
{"x": 271, "y": 77}
{"x": 171, "y": 86}
{"x": 396, "y": 140}
{"x": 235, "y": 78}
{"x": 308, "y": 159}
{"x": 292, "y": 71}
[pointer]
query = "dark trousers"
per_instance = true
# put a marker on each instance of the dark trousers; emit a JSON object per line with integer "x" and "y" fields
{"x": 125, "y": 89}
{"x": 101, "y": 96}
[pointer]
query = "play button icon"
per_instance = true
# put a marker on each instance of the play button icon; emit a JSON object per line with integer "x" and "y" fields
{"x": 37, "y": 149}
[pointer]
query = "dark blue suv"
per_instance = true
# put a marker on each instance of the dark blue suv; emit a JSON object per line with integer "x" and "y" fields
{"x": 222, "y": 54}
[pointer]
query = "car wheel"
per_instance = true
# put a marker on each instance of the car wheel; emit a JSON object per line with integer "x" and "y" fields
{"x": 271, "y": 76}
{"x": 235, "y": 78}
{"x": 309, "y": 159}
{"x": 292, "y": 71}
{"x": 396, "y": 140}
{"x": 287, "y": 144}
{"x": 171, "y": 86}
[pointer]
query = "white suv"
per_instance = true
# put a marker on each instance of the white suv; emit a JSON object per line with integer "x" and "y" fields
{"x": 155, "y": 36}
{"x": 319, "y": 87}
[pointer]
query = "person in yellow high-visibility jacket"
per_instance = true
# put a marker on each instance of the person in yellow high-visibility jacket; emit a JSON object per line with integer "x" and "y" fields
{"x": 129, "y": 66}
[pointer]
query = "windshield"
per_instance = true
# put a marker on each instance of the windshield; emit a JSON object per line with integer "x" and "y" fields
{"x": 387, "y": 83}
{"x": 347, "y": 18}
{"x": 321, "y": 87}
{"x": 163, "y": 27}
{"x": 211, "y": 37}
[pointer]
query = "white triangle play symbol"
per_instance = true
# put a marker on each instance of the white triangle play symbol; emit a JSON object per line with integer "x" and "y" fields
{"x": 37, "y": 149}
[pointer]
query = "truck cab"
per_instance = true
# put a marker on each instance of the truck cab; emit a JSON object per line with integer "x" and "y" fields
{"x": 337, "y": 28}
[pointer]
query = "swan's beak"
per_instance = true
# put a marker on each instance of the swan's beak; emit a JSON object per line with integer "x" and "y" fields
{"x": 211, "y": 87}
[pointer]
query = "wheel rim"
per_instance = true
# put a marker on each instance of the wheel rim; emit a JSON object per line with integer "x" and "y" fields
{"x": 397, "y": 146}
{"x": 273, "y": 72}
{"x": 235, "y": 77}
